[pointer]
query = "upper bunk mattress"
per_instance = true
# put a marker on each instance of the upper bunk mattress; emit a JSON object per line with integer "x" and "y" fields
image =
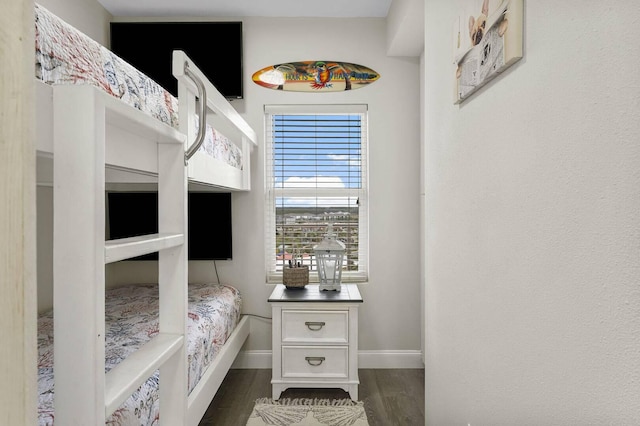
{"x": 64, "y": 55}
{"x": 131, "y": 320}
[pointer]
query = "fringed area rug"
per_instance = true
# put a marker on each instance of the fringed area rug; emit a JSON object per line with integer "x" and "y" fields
{"x": 308, "y": 412}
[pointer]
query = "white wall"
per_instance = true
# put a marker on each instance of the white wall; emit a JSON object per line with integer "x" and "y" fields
{"x": 87, "y": 16}
{"x": 390, "y": 316}
{"x": 532, "y": 224}
{"x": 405, "y": 28}
{"x": 390, "y": 321}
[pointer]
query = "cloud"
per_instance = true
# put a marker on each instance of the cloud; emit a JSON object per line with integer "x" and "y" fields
{"x": 320, "y": 202}
{"x": 351, "y": 160}
{"x": 313, "y": 182}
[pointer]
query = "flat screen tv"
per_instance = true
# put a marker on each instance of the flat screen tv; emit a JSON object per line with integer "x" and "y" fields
{"x": 215, "y": 47}
{"x": 130, "y": 214}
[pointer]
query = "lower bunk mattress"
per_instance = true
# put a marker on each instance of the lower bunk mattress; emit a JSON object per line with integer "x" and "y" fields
{"x": 131, "y": 320}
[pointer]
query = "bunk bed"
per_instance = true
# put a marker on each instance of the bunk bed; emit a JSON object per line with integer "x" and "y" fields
{"x": 100, "y": 121}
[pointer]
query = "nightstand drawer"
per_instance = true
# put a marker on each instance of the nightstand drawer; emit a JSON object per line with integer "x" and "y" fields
{"x": 315, "y": 326}
{"x": 315, "y": 361}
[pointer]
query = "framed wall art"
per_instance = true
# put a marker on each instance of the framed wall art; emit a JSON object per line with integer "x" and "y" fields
{"x": 487, "y": 39}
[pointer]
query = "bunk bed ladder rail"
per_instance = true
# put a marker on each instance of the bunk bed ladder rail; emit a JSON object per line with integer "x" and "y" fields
{"x": 209, "y": 100}
{"x": 84, "y": 394}
{"x": 202, "y": 113}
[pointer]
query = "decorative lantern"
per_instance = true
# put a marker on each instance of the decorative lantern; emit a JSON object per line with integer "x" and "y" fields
{"x": 329, "y": 256}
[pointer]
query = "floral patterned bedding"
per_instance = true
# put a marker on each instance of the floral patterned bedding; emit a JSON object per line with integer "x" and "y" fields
{"x": 131, "y": 320}
{"x": 65, "y": 55}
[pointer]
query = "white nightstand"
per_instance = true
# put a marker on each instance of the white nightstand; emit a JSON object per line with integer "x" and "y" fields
{"x": 315, "y": 338}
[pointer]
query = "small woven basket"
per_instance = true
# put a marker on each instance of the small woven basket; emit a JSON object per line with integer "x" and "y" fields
{"x": 297, "y": 277}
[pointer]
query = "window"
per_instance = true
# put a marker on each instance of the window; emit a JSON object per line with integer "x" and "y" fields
{"x": 316, "y": 176}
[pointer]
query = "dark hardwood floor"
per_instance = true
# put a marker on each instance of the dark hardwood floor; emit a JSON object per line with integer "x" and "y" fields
{"x": 391, "y": 396}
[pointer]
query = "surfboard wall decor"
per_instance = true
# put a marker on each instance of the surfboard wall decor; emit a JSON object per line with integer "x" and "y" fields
{"x": 315, "y": 76}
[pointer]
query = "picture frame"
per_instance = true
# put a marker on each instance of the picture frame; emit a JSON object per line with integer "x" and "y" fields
{"x": 487, "y": 39}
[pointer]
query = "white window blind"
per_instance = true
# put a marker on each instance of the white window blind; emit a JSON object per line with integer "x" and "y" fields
{"x": 316, "y": 175}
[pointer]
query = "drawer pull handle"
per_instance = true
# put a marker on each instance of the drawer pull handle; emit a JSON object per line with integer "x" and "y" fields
{"x": 314, "y": 325}
{"x": 314, "y": 360}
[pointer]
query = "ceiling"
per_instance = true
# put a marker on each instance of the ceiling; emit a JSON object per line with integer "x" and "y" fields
{"x": 242, "y": 8}
{"x": 405, "y": 18}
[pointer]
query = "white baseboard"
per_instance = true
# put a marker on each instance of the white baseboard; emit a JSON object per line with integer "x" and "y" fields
{"x": 366, "y": 359}
{"x": 390, "y": 359}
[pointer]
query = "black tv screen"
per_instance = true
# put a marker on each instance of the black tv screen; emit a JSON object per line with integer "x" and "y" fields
{"x": 130, "y": 214}
{"x": 215, "y": 47}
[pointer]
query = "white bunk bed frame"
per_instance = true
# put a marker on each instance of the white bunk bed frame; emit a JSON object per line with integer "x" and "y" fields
{"x": 94, "y": 138}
